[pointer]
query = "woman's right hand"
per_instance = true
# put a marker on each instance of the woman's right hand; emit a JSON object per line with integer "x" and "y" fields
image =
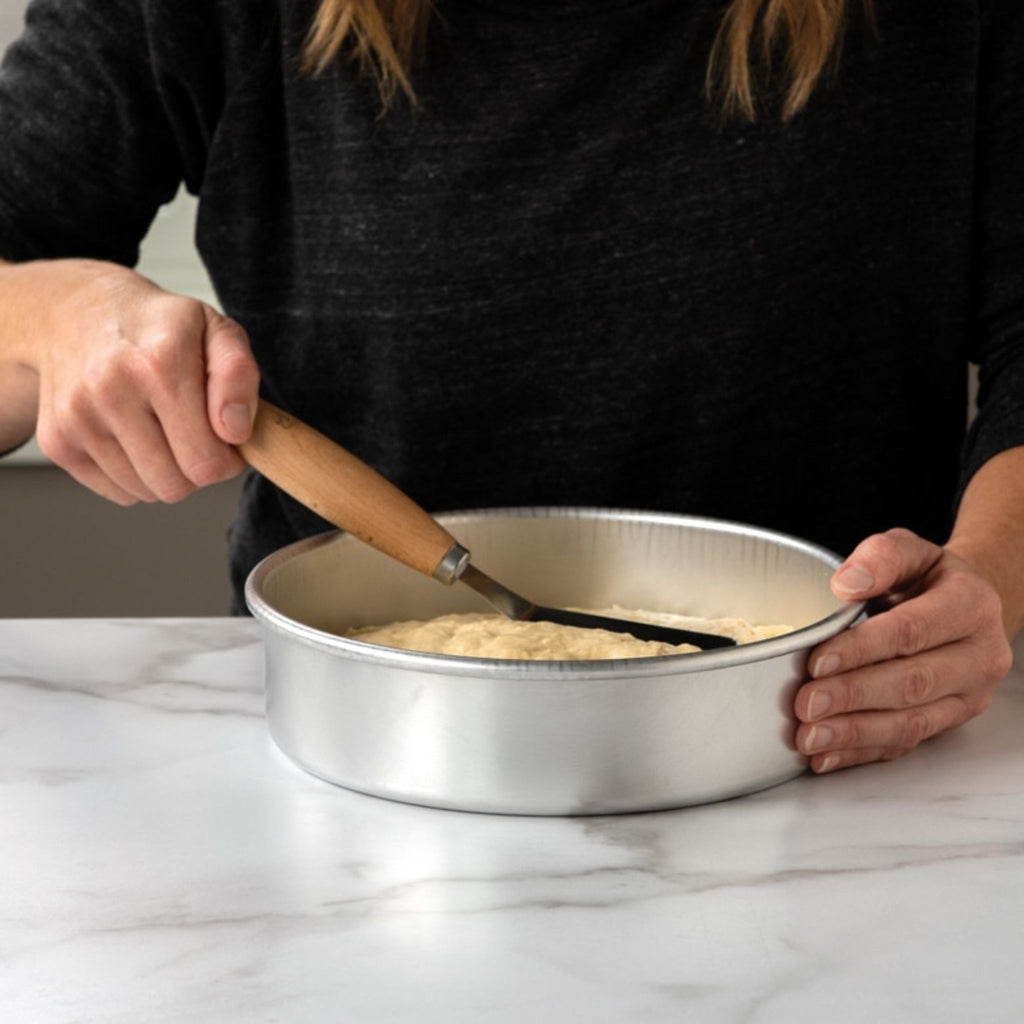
{"x": 142, "y": 394}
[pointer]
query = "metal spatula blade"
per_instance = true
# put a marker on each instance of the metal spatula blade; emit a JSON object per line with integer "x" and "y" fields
{"x": 345, "y": 491}
{"x": 514, "y": 606}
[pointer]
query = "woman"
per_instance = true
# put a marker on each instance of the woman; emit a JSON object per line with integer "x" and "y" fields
{"x": 722, "y": 259}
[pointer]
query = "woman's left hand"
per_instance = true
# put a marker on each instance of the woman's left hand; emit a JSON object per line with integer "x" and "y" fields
{"x": 928, "y": 660}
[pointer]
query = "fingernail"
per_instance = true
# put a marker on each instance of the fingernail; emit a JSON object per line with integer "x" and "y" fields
{"x": 825, "y": 666}
{"x": 819, "y": 704}
{"x": 853, "y": 579}
{"x": 831, "y": 762}
{"x": 819, "y": 738}
{"x": 237, "y": 418}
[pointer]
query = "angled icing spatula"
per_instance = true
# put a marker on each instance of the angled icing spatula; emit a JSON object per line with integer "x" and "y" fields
{"x": 347, "y": 492}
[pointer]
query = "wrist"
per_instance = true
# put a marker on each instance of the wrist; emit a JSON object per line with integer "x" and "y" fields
{"x": 1002, "y": 569}
{"x": 989, "y": 532}
{"x": 19, "y": 380}
{"x": 40, "y": 299}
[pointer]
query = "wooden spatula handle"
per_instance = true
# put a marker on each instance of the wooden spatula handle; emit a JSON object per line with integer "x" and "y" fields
{"x": 344, "y": 489}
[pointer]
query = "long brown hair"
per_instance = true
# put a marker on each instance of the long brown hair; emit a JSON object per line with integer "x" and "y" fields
{"x": 385, "y": 37}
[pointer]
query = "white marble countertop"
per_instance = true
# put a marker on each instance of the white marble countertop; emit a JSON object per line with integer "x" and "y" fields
{"x": 163, "y": 862}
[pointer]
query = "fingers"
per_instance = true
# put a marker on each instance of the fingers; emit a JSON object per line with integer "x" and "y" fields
{"x": 232, "y": 379}
{"x": 89, "y": 474}
{"x": 142, "y": 456}
{"x": 926, "y": 664}
{"x": 90, "y": 454}
{"x": 957, "y": 605}
{"x": 878, "y": 735}
{"x": 882, "y": 562}
{"x": 134, "y": 419}
{"x": 902, "y": 683}
{"x": 190, "y": 448}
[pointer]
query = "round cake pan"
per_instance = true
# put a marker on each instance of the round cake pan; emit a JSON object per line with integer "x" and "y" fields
{"x": 555, "y": 738}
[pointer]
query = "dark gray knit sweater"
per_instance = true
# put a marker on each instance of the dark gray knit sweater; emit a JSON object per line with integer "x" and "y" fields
{"x": 560, "y": 279}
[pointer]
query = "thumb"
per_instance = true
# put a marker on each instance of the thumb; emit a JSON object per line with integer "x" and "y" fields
{"x": 882, "y": 562}
{"x": 232, "y": 378}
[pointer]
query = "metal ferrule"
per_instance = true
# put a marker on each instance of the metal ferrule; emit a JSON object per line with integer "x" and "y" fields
{"x": 450, "y": 568}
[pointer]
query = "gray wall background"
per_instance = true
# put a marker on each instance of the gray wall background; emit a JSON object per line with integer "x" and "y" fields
{"x": 66, "y": 552}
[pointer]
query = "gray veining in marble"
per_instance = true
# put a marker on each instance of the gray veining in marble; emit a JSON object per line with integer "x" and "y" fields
{"x": 163, "y": 862}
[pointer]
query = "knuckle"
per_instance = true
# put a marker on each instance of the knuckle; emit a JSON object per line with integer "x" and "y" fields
{"x": 238, "y": 364}
{"x": 236, "y": 374}
{"x": 999, "y": 662}
{"x": 157, "y": 352}
{"x": 852, "y": 695}
{"x": 76, "y": 411}
{"x": 63, "y": 445}
{"x": 156, "y": 359}
{"x": 994, "y": 662}
{"x": 855, "y": 735}
{"x": 989, "y": 607}
{"x": 881, "y": 546}
{"x": 898, "y": 536}
{"x": 915, "y": 727}
{"x": 103, "y": 381}
{"x": 55, "y": 444}
{"x": 912, "y": 632}
{"x": 102, "y": 386}
{"x": 885, "y": 552}
{"x": 996, "y": 658}
{"x": 980, "y": 602}
{"x": 173, "y": 317}
{"x": 918, "y": 684}
{"x": 180, "y": 307}
{"x": 970, "y": 705}
{"x": 890, "y": 544}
